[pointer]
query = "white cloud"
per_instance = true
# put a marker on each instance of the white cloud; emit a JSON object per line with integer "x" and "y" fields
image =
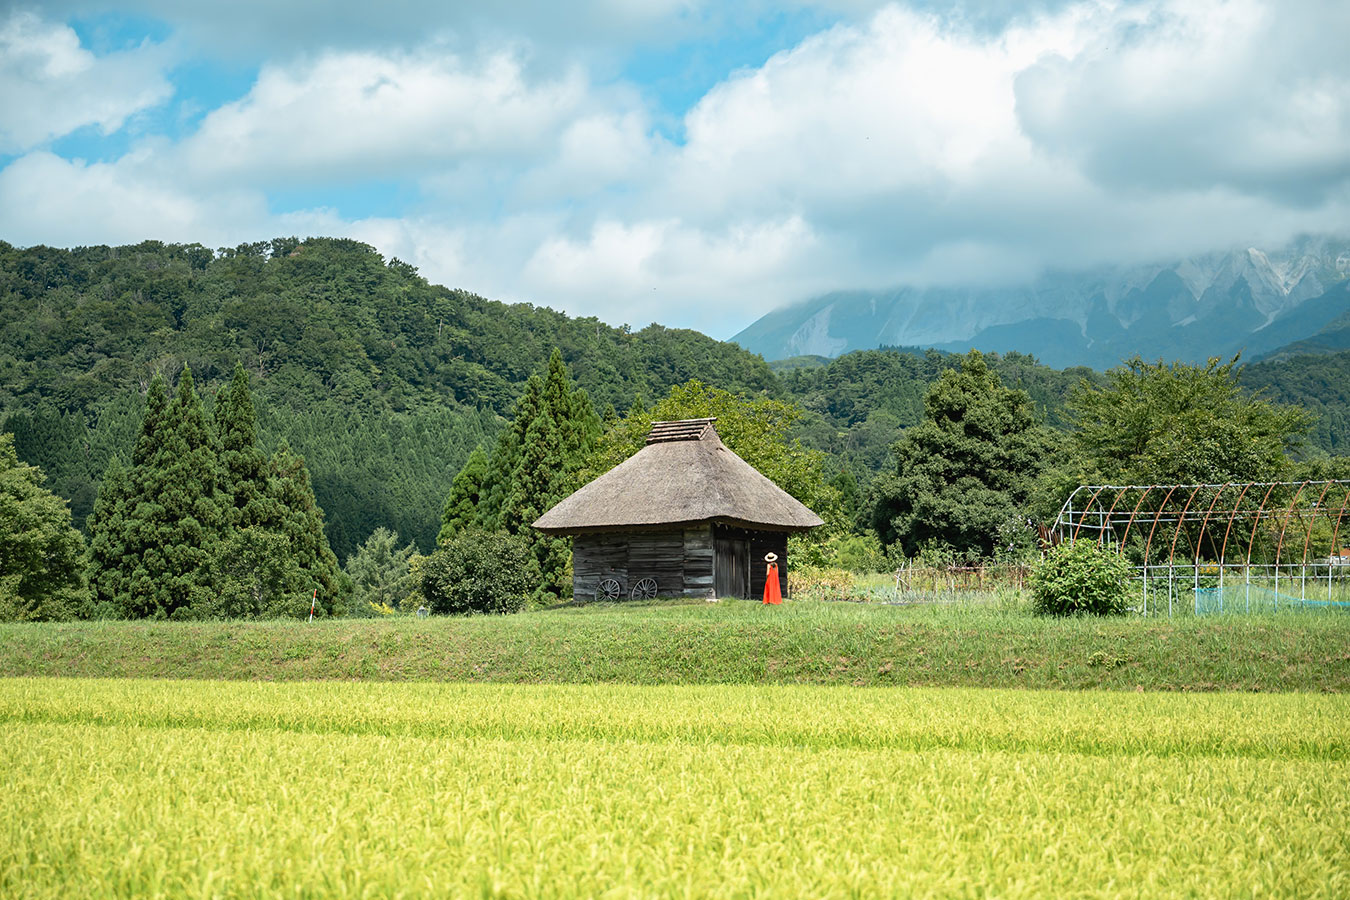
{"x": 1213, "y": 93}
{"x": 50, "y": 85}
{"x": 908, "y": 148}
{"x": 367, "y": 115}
{"x": 663, "y": 270}
{"x": 904, "y": 146}
{"x": 47, "y": 199}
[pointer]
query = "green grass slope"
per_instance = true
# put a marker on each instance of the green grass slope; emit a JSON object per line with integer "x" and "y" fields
{"x": 727, "y": 643}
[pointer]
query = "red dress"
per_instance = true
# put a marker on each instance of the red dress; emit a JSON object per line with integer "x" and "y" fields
{"x": 772, "y": 593}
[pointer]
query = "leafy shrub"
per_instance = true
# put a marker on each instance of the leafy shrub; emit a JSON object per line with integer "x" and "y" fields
{"x": 479, "y": 572}
{"x": 1081, "y": 577}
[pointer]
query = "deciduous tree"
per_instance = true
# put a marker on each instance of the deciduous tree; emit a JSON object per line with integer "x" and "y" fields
{"x": 755, "y": 428}
{"x": 41, "y": 553}
{"x": 1159, "y": 423}
{"x": 968, "y": 468}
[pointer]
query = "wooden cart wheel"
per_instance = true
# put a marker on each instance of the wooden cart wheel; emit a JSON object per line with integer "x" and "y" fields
{"x": 644, "y": 589}
{"x": 608, "y": 589}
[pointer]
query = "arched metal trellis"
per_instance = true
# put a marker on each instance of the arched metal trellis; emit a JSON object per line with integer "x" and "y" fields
{"x": 1259, "y": 544}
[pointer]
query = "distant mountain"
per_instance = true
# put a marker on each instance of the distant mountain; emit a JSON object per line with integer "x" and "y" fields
{"x": 1259, "y": 301}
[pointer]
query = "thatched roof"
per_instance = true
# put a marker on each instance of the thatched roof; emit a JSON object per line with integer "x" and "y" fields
{"x": 685, "y": 474}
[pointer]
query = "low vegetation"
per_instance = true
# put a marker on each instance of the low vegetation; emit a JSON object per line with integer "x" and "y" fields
{"x": 1081, "y": 577}
{"x": 118, "y": 788}
{"x": 670, "y": 642}
{"x": 485, "y": 572}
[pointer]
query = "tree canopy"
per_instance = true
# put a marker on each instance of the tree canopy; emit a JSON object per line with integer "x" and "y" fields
{"x": 41, "y": 553}
{"x": 756, "y": 428}
{"x": 539, "y": 459}
{"x": 966, "y": 470}
{"x": 381, "y": 574}
{"x": 1160, "y": 423}
{"x": 386, "y": 386}
{"x": 203, "y": 524}
{"x": 382, "y": 381}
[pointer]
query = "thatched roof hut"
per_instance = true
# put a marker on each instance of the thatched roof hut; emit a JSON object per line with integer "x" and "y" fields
{"x": 683, "y": 516}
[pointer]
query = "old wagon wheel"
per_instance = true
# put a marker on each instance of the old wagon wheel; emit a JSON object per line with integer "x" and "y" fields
{"x": 608, "y": 589}
{"x": 644, "y": 589}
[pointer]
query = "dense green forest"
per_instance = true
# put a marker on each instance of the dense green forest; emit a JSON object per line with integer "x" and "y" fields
{"x": 385, "y": 383}
{"x": 856, "y": 406}
{"x": 1320, "y": 383}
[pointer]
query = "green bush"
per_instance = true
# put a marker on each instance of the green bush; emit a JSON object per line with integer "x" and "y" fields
{"x": 479, "y": 572}
{"x": 1081, "y": 577}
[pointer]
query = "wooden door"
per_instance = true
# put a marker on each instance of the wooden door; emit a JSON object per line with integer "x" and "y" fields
{"x": 731, "y": 567}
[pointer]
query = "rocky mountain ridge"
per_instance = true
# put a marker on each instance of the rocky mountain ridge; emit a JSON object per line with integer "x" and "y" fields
{"x": 1251, "y": 299}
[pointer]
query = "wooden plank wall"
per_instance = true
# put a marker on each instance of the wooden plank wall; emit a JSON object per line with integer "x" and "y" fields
{"x": 698, "y": 561}
{"x": 659, "y": 555}
{"x": 679, "y": 560}
{"x": 761, "y": 543}
{"x": 731, "y": 566}
{"x": 597, "y": 556}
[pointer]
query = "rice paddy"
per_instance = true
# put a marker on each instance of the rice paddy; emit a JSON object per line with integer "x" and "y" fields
{"x": 119, "y": 788}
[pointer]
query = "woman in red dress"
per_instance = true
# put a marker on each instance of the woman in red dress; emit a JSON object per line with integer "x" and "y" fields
{"x": 772, "y": 592}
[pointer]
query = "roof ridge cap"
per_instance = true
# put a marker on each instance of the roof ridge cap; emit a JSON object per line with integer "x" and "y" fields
{"x": 680, "y": 430}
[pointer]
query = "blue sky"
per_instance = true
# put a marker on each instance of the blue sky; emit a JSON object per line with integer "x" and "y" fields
{"x": 682, "y": 161}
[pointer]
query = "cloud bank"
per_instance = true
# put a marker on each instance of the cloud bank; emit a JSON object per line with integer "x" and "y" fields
{"x": 898, "y": 146}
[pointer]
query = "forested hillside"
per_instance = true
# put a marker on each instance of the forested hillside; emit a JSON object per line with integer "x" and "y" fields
{"x": 1320, "y": 383}
{"x": 383, "y": 382}
{"x": 858, "y": 404}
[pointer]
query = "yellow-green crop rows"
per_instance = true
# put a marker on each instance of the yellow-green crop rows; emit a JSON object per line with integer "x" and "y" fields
{"x": 205, "y": 789}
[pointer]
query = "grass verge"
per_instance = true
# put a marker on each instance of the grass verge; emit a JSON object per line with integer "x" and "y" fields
{"x": 726, "y": 643}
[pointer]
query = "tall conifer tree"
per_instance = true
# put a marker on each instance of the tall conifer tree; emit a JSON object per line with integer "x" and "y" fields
{"x": 158, "y": 532}
{"x": 183, "y": 510}
{"x": 302, "y": 527}
{"x": 156, "y": 406}
{"x": 466, "y": 506}
{"x": 538, "y": 461}
{"x": 277, "y": 553}
{"x": 381, "y": 573}
{"x": 244, "y": 463}
{"x": 120, "y": 533}
{"x": 110, "y": 527}
{"x": 556, "y": 430}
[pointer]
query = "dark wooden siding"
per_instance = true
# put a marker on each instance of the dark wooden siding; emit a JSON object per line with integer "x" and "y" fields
{"x": 761, "y": 543}
{"x": 739, "y": 549}
{"x": 680, "y": 561}
{"x": 598, "y": 556}
{"x": 731, "y": 565}
{"x": 698, "y": 561}
{"x": 658, "y": 555}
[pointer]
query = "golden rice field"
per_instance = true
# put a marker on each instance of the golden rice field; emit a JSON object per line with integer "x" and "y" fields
{"x": 235, "y": 789}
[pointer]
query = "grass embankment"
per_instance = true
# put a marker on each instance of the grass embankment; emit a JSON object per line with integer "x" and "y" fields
{"x": 126, "y": 788}
{"x": 729, "y": 642}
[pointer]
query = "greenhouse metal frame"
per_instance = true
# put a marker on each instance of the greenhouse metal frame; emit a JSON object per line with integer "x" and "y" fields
{"x": 1226, "y": 543}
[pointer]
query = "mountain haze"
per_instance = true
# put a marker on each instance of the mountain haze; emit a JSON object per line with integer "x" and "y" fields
{"x": 1251, "y": 299}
